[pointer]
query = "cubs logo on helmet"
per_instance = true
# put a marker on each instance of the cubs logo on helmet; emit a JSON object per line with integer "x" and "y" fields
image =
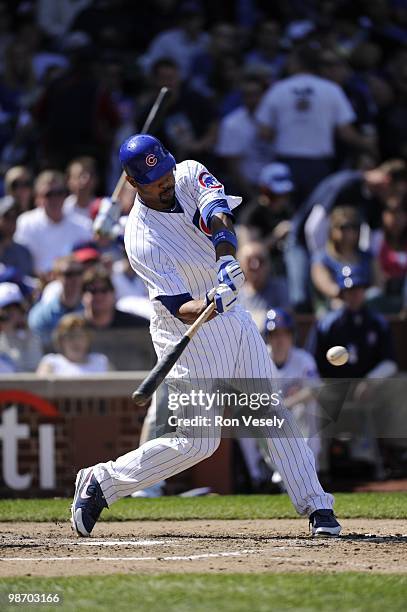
{"x": 209, "y": 181}
{"x": 201, "y": 225}
{"x": 151, "y": 160}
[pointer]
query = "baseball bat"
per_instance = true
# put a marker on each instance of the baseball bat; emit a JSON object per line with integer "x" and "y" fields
{"x": 161, "y": 369}
{"x": 152, "y": 118}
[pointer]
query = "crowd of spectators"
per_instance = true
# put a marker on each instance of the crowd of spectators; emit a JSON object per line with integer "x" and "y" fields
{"x": 301, "y": 108}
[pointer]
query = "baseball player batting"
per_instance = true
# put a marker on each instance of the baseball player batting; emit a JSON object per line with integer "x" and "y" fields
{"x": 180, "y": 240}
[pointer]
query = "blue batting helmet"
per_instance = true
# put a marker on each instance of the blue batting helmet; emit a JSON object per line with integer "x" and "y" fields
{"x": 277, "y": 318}
{"x": 145, "y": 159}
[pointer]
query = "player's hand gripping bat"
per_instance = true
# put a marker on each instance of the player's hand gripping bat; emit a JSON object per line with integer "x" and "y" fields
{"x": 162, "y": 367}
{"x": 110, "y": 210}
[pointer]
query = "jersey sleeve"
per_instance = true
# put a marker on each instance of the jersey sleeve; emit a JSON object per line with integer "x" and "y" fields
{"x": 206, "y": 191}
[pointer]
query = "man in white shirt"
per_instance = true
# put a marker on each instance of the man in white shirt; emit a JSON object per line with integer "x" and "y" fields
{"x": 239, "y": 146}
{"x": 302, "y": 114}
{"x": 47, "y": 231}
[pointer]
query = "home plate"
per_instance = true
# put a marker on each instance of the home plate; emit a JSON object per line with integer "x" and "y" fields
{"x": 125, "y": 543}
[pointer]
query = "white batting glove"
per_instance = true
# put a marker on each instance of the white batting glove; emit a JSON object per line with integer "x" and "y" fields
{"x": 106, "y": 221}
{"x": 230, "y": 273}
{"x": 223, "y": 296}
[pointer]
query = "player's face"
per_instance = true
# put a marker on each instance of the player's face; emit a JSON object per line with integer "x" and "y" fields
{"x": 161, "y": 193}
{"x": 281, "y": 342}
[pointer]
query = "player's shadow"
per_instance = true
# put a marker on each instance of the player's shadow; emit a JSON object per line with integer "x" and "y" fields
{"x": 377, "y": 539}
{"x": 350, "y": 537}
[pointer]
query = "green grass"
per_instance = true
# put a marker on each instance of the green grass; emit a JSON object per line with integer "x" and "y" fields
{"x": 348, "y": 505}
{"x": 232, "y": 592}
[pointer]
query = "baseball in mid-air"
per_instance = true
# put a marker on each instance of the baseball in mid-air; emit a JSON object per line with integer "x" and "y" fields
{"x": 337, "y": 355}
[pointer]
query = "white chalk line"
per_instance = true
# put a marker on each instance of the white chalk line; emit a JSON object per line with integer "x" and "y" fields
{"x": 124, "y": 543}
{"x": 92, "y": 542}
{"x": 238, "y": 553}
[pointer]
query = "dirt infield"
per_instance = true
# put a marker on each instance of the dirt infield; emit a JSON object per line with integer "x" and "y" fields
{"x": 49, "y": 549}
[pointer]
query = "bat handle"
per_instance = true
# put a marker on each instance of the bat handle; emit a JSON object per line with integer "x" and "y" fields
{"x": 204, "y": 316}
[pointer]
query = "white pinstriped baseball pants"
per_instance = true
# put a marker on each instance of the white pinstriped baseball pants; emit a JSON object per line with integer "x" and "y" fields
{"x": 227, "y": 347}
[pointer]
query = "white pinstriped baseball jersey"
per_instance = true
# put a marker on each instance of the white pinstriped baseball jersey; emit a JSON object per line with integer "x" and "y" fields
{"x": 173, "y": 251}
{"x": 173, "y": 254}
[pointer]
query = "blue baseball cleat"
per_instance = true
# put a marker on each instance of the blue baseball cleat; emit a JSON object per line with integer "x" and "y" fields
{"x": 323, "y": 523}
{"x": 88, "y": 502}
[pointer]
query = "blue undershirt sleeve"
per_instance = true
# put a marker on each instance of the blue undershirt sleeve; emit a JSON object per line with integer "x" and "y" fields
{"x": 174, "y": 302}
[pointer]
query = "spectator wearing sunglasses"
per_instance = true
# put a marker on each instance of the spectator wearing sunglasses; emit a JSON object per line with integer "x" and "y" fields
{"x": 47, "y": 231}
{"x": 45, "y": 315}
{"x": 342, "y": 252}
{"x": 12, "y": 254}
{"x": 99, "y": 302}
{"x": 18, "y": 183}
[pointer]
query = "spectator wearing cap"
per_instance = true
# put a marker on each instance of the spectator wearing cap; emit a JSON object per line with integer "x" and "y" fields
{"x": 297, "y": 377}
{"x": 63, "y": 298}
{"x": 302, "y": 114}
{"x": 18, "y": 183}
{"x": 367, "y": 337}
{"x": 12, "y": 253}
{"x": 180, "y": 44}
{"x": 267, "y": 217}
{"x": 19, "y": 347}
{"x": 81, "y": 179}
{"x": 86, "y": 258}
{"x": 365, "y": 334}
{"x": 239, "y": 148}
{"x": 261, "y": 290}
{"x": 297, "y": 374}
{"x": 47, "y": 231}
{"x": 341, "y": 252}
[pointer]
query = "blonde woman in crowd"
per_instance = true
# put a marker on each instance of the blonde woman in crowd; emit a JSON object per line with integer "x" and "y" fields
{"x": 72, "y": 339}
